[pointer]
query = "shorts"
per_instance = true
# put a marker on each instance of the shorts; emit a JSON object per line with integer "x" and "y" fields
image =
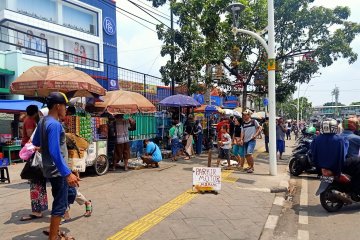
{"x": 122, "y": 151}
{"x": 224, "y": 153}
{"x": 280, "y": 146}
{"x": 238, "y": 151}
{"x": 59, "y": 190}
{"x": 249, "y": 147}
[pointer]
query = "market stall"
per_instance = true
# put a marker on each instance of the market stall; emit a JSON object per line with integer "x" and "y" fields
{"x": 11, "y": 130}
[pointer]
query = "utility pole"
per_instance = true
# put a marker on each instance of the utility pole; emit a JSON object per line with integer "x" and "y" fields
{"x": 172, "y": 51}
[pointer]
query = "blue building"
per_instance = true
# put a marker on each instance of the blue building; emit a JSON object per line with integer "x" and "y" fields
{"x": 78, "y": 33}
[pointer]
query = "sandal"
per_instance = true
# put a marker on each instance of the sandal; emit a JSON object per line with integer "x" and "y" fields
{"x": 88, "y": 209}
{"x": 64, "y": 236}
{"x": 63, "y": 221}
{"x": 30, "y": 217}
{"x": 250, "y": 170}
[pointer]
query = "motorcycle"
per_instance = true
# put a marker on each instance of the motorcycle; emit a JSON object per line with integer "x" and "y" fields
{"x": 336, "y": 192}
{"x": 301, "y": 160}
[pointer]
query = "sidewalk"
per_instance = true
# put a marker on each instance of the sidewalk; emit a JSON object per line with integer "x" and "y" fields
{"x": 239, "y": 211}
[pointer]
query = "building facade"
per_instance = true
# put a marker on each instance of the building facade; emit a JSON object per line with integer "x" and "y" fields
{"x": 336, "y": 112}
{"x": 63, "y": 31}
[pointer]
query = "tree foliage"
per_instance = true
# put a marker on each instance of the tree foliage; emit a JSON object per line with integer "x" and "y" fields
{"x": 316, "y": 36}
{"x": 289, "y": 108}
{"x": 355, "y": 103}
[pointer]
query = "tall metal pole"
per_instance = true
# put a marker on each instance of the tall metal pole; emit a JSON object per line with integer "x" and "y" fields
{"x": 172, "y": 51}
{"x": 298, "y": 107}
{"x": 272, "y": 93}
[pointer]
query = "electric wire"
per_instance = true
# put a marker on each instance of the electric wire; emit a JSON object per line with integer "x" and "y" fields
{"x": 138, "y": 22}
{"x": 116, "y": 7}
{"x": 144, "y": 10}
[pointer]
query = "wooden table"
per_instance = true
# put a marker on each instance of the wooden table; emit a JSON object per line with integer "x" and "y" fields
{"x": 7, "y": 151}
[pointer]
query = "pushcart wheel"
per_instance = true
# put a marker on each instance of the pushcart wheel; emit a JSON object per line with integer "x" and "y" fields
{"x": 101, "y": 165}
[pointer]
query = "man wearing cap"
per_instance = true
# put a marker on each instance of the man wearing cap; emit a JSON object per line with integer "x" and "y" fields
{"x": 50, "y": 136}
{"x": 250, "y": 130}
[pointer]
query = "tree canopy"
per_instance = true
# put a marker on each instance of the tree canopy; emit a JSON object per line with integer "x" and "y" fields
{"x": 355, "y": 103}
{"x": 307, "y": 38}
{"x": 289, "y": 109}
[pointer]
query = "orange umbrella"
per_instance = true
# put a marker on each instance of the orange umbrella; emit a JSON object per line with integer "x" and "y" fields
{"x": 125, "y": 102}
{"x": 39, "y": 81}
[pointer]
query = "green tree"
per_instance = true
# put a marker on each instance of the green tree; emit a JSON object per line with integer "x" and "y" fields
{"x": 355, "y": 103}
{"x": 289, "y": 108}
{"x": 203, "y": 38}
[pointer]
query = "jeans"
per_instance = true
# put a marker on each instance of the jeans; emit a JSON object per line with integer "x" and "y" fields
{"x": 59, "y": 189}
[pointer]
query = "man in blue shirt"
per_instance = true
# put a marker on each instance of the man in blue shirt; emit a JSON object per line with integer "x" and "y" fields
{"x": 350, "y": 125}
{"x": 50, "y": 137}
{"x": 153, "y": 154}
{"x": 329, "y": 149}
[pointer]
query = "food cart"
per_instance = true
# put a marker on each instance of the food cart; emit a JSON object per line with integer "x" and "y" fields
{"x": 94, "y": 130}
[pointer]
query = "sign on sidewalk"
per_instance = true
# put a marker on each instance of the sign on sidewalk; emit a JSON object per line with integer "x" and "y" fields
{"x": 206, "y": 179}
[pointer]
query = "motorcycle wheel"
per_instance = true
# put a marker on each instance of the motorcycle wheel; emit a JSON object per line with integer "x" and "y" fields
{"x": 295, "y": 168}
{"x": 101, "y": 165}
{"x": 329, "y": 202}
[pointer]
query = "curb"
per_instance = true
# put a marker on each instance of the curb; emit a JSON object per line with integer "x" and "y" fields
{"x": 276, "y": 209}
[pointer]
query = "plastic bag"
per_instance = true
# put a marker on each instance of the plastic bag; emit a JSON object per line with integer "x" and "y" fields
{"x": 37, "y": 161}
{"x": 27, "y": 151}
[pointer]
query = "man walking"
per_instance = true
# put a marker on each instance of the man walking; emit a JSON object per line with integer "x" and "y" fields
{"x": 251, "y": 129}
{"x": 266, "y": 133}
{"x": 122, "y": 147}
{"x": 280, "y": 137}
{"x": 50, "y": 136}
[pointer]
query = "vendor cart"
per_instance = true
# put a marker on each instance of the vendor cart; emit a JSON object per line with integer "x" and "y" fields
{"x": 97, "y": 157}
{"x": 95, "y": 131}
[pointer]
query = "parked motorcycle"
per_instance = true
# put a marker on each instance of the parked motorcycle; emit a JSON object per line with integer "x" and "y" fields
{"x": 335, "y": 192}
{"x": 301, "y": 160}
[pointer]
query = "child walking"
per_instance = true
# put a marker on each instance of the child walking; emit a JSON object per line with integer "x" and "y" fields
{"x": 225, "y": 146}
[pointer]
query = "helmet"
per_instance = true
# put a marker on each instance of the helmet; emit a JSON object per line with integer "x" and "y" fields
{"x": 351, "y": 124}
{"x": 311, "y": 130}
{"x": 329, "y": 125}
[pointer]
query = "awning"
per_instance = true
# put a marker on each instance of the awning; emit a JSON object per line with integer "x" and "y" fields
{"x": 4, "y": 71}
{"x": 16, "y": 106}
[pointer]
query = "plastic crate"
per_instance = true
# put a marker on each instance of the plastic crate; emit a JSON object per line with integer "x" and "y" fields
{"x": 4, "y": 162}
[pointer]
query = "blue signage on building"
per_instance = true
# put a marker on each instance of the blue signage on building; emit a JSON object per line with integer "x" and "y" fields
{"x": 109, "y": 26}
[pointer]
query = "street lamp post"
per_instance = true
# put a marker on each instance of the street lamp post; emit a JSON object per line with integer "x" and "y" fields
{"x": 236, "y": 9}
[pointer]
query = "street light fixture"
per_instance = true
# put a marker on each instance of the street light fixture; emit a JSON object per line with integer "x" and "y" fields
{"x": 235, "y": 9}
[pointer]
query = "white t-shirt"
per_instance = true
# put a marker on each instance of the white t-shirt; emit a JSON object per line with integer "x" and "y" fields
{"x": 122, "y": 130}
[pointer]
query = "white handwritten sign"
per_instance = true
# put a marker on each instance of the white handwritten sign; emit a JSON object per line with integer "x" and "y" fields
{"x": 206, "y": 179}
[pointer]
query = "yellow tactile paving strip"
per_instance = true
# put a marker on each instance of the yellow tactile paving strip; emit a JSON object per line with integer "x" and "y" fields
{"x": 139, "y": 227}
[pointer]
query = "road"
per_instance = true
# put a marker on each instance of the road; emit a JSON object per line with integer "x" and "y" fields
{"x": 304, "y": 218}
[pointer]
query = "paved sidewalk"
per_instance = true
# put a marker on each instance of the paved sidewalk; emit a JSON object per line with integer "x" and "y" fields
{"x": 239, "y": 211}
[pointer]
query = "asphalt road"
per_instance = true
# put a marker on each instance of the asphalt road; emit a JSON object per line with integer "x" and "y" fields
{"x": 304, "y": 218}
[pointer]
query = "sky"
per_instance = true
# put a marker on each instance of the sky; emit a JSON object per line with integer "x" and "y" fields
{"x": 139, "y": 50}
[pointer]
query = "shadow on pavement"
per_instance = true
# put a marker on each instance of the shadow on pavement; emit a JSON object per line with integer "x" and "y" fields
{"x": 319, "y": 211}
{"x": 22, "y": 185}
{"x": 36, "y": 234}
{"x": 16, "y": 216}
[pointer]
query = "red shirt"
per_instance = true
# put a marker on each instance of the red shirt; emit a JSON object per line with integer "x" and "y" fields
{"x": 219, "y": 126}
{"x": 29, "y": 123}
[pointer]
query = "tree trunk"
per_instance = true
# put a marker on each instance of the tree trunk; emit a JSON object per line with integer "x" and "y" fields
{"x": 244, "y": 97}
